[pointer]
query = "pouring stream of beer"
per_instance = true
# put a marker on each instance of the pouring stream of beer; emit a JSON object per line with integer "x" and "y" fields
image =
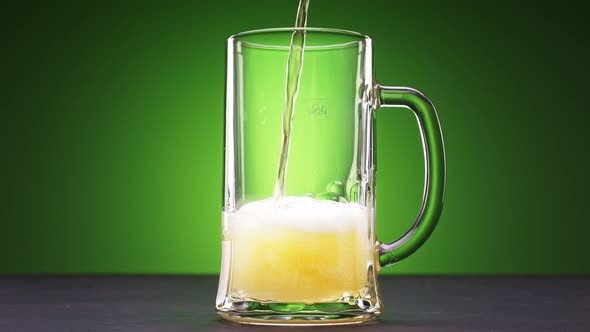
{"x": 294, "y": 67}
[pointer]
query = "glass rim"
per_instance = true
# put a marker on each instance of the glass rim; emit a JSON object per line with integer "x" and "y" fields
{"x": 355, "y": 36}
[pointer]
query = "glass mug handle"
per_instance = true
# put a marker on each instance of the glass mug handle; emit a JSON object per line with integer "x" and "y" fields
{"x": 434, "y": 183}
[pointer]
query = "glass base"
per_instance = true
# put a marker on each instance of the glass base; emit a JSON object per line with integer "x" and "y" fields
{"x": 275, "y": 313}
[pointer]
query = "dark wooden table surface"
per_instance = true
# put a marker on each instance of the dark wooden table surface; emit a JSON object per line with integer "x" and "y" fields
{"x": 185, "y": 303}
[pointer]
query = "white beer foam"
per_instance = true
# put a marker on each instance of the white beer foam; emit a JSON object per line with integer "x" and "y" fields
{"x": 299, "y": 213}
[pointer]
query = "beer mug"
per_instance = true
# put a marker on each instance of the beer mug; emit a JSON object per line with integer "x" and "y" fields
{"x": 312, "y": 255}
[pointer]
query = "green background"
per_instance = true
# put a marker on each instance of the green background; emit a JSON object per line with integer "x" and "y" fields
{"x": 111, "y": 124}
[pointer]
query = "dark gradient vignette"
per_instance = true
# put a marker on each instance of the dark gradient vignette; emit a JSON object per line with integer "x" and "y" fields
{"x": 111, "y": 124}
